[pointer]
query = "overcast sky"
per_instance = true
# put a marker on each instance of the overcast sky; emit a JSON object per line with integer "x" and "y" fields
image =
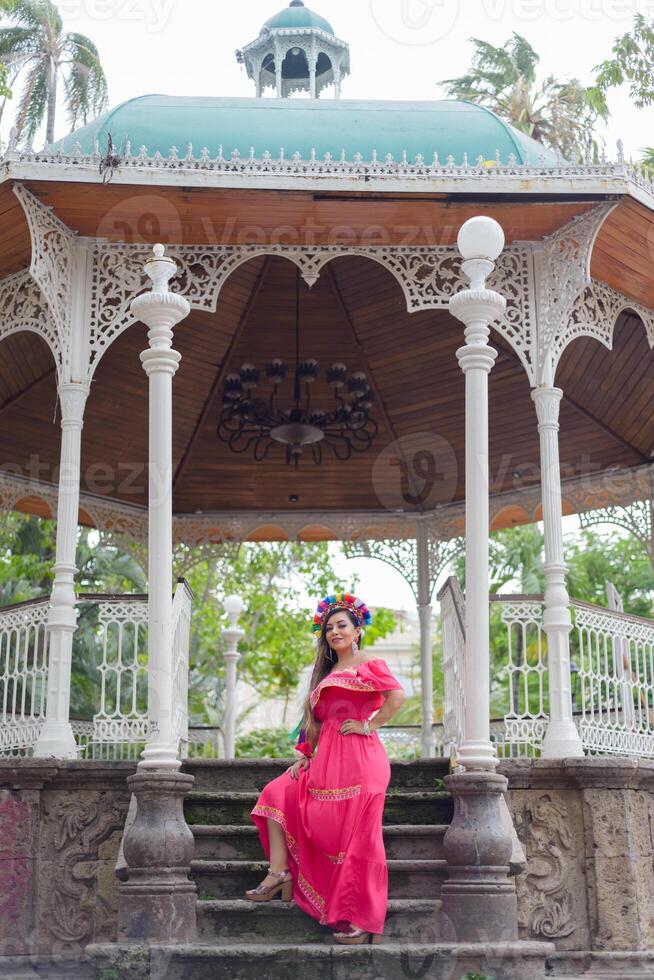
{"x": 399, "y": 50}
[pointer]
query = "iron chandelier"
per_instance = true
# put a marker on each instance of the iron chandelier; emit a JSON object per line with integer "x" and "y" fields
{"x": 252, "y": 423}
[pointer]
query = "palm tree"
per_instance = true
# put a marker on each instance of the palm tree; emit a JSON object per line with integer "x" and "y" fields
{"x": 559, "y": 114}
{"x": 36, "y": 47}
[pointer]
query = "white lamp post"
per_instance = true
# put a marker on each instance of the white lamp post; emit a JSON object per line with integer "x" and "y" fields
{"x": 481, "y": 241}
{"x": 479, "y": 897}
{"x": 234, "y": 606}
{"x": 160, "y": 310}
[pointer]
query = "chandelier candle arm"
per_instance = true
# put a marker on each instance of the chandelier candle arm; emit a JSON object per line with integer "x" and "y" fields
{"x": 251, "y": 423}
{"x": 160, "y": 310}
{"x": 481, "y": 241}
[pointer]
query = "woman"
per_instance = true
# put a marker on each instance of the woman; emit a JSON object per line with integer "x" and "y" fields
{"x": 320, "y": 822}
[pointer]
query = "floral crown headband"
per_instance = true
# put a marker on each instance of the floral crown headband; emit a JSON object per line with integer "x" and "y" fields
{"x": 341, "y": 600}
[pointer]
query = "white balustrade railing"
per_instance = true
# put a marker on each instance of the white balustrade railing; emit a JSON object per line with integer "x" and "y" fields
{"x": 454, "y": 643}
{"x": 616, "y": 676}
{"x": 24, "y": 650}
{"x": 612, "y": 654}
{"x": 110, "y": 649}
{"x": 122, "y": 634}
{"x": 526, "y": 720}
{"x": 182, "y": 606}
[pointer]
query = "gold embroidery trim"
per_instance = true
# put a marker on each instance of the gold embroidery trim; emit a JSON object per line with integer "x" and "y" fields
{"x": 340, "y": 793}
{"x": 260, "y": 810}
{"x": 310, "y": 892}
{"x": 352, "y": 684}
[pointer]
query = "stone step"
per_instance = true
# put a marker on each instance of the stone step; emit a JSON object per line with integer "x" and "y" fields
{"x": 322, "y": 961}
{"x": 240, "y": 921}
{"x": 216, "y": 775}
{"x": 240, "y": 842}
{"x": 402, "y": 806}
{"x": 230, "y": 879}
{"x": 50, "y": 967}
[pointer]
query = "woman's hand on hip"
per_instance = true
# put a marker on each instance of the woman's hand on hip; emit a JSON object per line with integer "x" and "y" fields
{"x": 297, "y": 768}
{"x": 352, "y": 727}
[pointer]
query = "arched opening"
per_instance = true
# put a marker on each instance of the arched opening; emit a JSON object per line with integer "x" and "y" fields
{"x": 608, "y": 399}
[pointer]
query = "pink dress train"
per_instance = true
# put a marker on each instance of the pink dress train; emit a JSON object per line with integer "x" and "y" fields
{"x": 332, "y": 814}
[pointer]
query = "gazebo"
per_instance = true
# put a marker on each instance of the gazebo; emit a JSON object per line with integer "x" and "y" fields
{"x": 319, "y": 235}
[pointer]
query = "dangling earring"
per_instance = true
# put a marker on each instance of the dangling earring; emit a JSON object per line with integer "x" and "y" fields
{"x": 329, "y": 654}
{"x": 355, "y": 647}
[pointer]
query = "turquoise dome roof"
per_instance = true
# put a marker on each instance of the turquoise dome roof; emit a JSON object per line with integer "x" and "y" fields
{"x": 297, "y": 15}
{"x": 448, "y": 128}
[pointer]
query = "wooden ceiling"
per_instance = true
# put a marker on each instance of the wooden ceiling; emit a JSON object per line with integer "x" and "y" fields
{"x": 356, "y": 313}
{"x": 621, "y": 258}
{"x": 230, "y": 217}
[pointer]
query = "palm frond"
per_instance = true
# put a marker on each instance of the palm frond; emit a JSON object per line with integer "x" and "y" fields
{"x": 85, "y": 83}
{"x": 33, "y": 102}
{"x": 36, "y": 15}
{"x": 17, "y": 42}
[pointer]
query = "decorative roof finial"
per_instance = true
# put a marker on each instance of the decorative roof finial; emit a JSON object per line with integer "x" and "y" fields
{"x": 296, "y": 51}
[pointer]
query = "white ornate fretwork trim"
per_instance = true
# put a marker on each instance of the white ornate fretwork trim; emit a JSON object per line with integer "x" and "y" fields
{"x": 22, "y": 307}
{"x": 52, "y": 261}
{"x": 595, "y": 314}
{"x": 281, "y": 164}
{"x": 446, "y": 523}
{"x": 428, "y": 276}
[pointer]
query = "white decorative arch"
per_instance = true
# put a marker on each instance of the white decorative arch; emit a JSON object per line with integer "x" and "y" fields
{"x": 595, "y": 314}
{"x": 22, "y": 307}
{"x": 428, "y": 276}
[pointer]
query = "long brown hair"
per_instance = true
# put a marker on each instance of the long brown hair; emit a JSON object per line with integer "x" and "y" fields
{"x": 325, "y": 660}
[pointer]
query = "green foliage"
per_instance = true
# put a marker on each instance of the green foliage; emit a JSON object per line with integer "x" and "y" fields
{"x": 632, "y": 63}
{"x": 36, "y": 49}
{"x": 273, "y": 581}
{"x": 593, "y": 560}
{"x": 477, "y": 976}
{"x": 560, "y": 114}
{"x": 264, "y": 743}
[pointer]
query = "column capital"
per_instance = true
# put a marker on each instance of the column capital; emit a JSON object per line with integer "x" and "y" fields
{"x": 548, "y": 403}
{"x": 72, "y": 398}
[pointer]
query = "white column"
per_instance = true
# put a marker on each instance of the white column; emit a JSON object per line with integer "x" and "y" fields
{"x": 233, "y": 607}
{"x": 313, "y": 65}
{"x": 278, "y": 79}
{"x": 481, "y": 241}
{"x": 337, "y": 81}
{"x": 562, "y": 738}
{"x": 426, "y": 662}
{"x": 56, "y": 736}
{"x": 160, "y": 310}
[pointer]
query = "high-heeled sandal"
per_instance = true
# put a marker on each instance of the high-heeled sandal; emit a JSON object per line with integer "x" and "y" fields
{"x": 356, "y": 937}
{"x": 264, "y": 893}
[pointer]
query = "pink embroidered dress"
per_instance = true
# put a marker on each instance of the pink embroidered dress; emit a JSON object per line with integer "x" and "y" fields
{"x": 332, "y": 814}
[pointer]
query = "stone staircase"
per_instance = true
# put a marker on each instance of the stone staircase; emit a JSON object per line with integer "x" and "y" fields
{"x": 241, "y": 940}
{"x": 229, "y": 858}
